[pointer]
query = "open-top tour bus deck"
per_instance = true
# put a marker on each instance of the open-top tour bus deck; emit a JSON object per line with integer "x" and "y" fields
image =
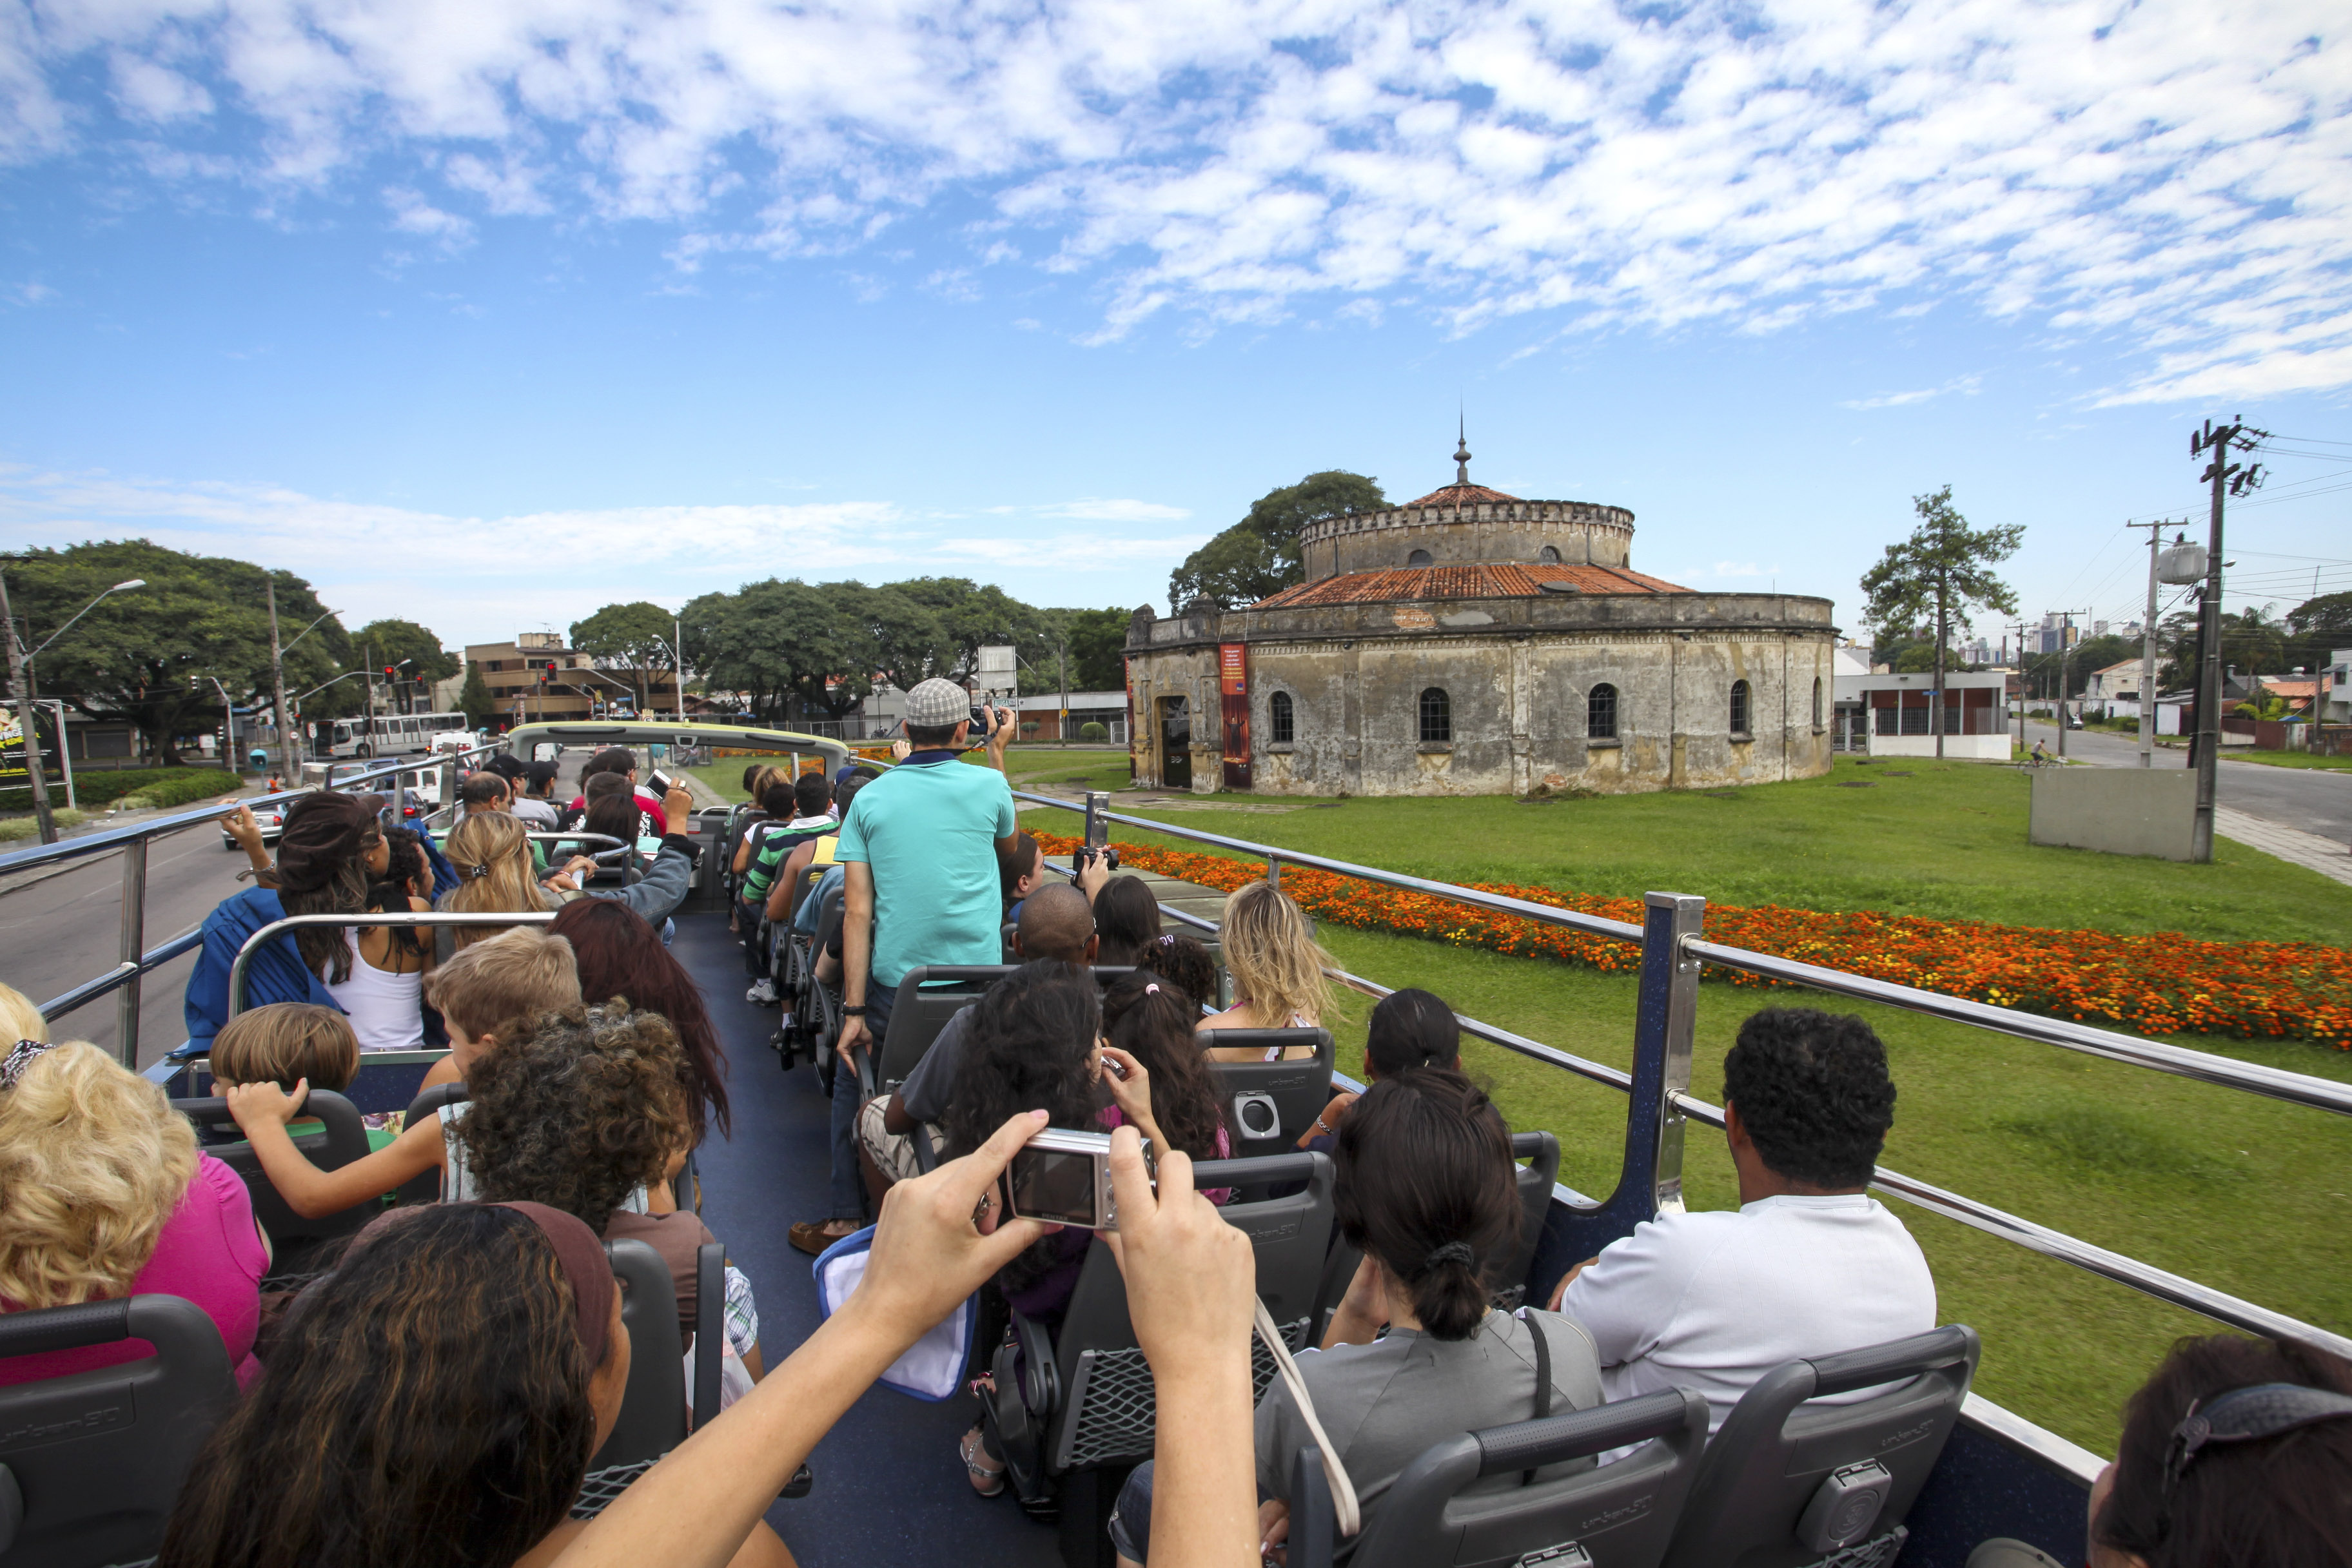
{"x": 1955, "y": 1468}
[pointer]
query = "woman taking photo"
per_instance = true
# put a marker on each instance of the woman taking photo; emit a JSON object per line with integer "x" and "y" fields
{"x": 500, "y": 1326}
{"x": 1277, "y": 971}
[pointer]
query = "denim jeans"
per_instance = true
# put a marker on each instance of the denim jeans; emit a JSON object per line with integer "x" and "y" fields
{"x": 1130, "y": 1517}
{"x": 849, "y": 1184}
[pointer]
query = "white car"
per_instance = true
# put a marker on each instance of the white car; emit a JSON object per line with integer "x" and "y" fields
{"x": 272, "y": 819}
{"x": 456, "y": 741}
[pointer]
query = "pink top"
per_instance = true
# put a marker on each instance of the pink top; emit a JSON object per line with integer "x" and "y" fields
{"x": 209, "y": 1253}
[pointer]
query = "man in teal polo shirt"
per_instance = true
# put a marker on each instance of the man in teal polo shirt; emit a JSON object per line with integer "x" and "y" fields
{"x": 918, "y": 852}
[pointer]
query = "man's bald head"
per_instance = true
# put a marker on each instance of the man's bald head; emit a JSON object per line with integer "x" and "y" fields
{"x": 1056, "y": 922}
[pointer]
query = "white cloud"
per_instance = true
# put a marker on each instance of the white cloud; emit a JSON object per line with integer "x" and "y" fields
{"x": 1098, "y": 508}
{"x": 351, "y": 550}
{"x": 2166, "y": 174}
{"x": 1966, "y": 385}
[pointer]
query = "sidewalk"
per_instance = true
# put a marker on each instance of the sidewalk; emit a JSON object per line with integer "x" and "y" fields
{"x": 2323, "y": 856}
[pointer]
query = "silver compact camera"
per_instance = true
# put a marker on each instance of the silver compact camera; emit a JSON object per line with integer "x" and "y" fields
{"x": 1064, "y": 1178}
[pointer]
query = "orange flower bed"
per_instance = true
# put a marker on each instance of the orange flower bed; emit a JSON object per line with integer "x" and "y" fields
{"x": 2146, "y": 984}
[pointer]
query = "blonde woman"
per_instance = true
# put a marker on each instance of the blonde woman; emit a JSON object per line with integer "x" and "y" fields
{"x": 103, "y": 1195}
{"x": 1277, "y": 971}
{"x": 20, "y": 1019}
{"x": 492, "y": 855}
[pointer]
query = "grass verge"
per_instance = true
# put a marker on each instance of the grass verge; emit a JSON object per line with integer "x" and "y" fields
{"x": 2246, "y": 1194}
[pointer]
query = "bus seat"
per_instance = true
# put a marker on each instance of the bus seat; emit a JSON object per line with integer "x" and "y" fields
{"x": 341, "y": 1138}
{"x": 90, "y": 1462}
{"x": 1614, "y": 1516}
{"x": 1082, "y": 1400}
{"x": 709, "y": 1325}
{"x": 653, "y": 1409}
{"x": 1298, "y": 1089}
{"x": 922, "y": 1009}
{"x": 425, "y": 1186}
{"x": 1536, "y": 1179}
{"x": 1786, "y": 1483}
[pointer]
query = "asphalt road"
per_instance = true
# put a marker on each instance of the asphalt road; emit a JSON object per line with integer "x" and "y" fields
{"x": 2316, "y": 800}
{"x": 68, "y": 928}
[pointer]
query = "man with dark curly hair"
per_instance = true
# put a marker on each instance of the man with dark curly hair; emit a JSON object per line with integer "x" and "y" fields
{"x": 1809, "y": 1265}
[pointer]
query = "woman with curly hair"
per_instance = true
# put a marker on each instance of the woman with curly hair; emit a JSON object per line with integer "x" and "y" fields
{"x": 499, "y": 1326}
{"x": 103, "y": 1195}
{"x": 1181, "y": 958}
{"x": 579, "y": 1115}
{"x": 622, "y": 959}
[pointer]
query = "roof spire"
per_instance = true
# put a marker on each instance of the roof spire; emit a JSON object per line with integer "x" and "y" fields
{"x": 1462, "y": 453}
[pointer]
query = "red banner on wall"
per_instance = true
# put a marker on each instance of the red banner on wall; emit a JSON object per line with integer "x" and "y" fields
{"x": 1233, "y": 693}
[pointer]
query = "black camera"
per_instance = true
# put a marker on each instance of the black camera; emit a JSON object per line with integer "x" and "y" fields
{"x": 1086, "y": 853}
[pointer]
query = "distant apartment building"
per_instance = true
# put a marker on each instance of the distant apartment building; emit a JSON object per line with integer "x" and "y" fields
{"x": 535, "y": 677}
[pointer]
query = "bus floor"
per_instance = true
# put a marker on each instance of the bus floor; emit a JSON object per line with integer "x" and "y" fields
{"x": 889, "y": 1487}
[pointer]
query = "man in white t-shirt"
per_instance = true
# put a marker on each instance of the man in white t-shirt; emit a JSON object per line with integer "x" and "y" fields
{"x": 1809, "y": 1264}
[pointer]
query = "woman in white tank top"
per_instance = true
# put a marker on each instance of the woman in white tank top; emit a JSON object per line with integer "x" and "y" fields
{"x": 386, "y": 1006}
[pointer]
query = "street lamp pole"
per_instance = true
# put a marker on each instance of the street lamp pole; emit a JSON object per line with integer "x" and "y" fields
{"x": 19, "y": 676}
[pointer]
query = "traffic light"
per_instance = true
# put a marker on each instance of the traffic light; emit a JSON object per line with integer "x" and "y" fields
{"x": 388, "y": 671}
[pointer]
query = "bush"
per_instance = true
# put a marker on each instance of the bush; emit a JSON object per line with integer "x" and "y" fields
{"x": 180, "y": 786}
{"x": 14, "y": 829}
{"x": 1092, "y": 731}
{"x": 94, "y": 787}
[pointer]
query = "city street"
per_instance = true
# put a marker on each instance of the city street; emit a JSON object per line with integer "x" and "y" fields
{"x": 2315, "y": 800}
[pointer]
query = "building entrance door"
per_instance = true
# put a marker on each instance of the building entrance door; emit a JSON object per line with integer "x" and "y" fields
{"x": 1175, "y": 743}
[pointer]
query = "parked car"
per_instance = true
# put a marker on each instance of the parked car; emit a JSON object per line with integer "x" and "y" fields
{"x": 273, "y": 825}
{"x": 456, "y": 741}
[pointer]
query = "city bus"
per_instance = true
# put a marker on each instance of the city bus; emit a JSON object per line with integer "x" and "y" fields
{"x": 384, "y": 735}
{"x": 1914, "y": 1473}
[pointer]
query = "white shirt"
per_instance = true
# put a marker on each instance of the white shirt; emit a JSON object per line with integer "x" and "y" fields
{"x": 1715, "y": 1300}
{"x": 540, "y": 814}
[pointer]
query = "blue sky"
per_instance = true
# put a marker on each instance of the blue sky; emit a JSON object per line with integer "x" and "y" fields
{"x": 486, "y": 312}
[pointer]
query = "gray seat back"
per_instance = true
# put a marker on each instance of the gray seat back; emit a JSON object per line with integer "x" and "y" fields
{"x": 929, "y": 995}
{"x": 709, "y": 1328}
{"x": 1106, "y": 1409}
{"x": 1612, "y": 1516}
{"x": 1785, "y": 1483}
{"x": 1536, "y": 1178}
{"x": 653, "y": 1409}
{"x": 1299, "y": 1089}
{"x": 93, "y": 1461}
{"x": 341, "y": 1138}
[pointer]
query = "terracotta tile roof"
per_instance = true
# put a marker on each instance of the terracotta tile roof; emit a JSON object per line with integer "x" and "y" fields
{"x": 1460, "y": 495}
{"x": 1479, "y": 581}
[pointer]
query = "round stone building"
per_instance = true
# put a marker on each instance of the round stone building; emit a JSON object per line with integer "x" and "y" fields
{"x": 1473, "y": 643}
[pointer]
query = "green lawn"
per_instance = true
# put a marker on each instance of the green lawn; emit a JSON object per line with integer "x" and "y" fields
{"x": 2247, "y": 1194}
{"x": 2292, "y": 760}
{"x": 1945, "y": 840}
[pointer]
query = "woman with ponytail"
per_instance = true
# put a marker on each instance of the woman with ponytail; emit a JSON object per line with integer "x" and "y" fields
{"x": 1410, "y": 1028}
{"x": 1426, "y": 1191}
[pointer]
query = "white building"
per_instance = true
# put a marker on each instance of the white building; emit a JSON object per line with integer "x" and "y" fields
{"x": 1895, "y": 711}
{"x": 2113, "y": 692}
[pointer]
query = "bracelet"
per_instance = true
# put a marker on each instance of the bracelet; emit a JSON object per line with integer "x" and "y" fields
{"x": 858, "y": 1012}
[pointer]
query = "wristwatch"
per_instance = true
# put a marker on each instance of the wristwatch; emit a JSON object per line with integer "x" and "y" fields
{"x": 858, "y": 1012}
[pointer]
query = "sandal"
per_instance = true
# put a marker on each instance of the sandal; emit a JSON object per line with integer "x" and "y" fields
{"x": 985, "y": 1482}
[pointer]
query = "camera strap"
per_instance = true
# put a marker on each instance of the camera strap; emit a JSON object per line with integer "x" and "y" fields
{"x": 1343, "y": 1490}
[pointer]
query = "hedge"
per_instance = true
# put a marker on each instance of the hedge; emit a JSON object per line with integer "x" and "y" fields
{"x": 154, "y": 787}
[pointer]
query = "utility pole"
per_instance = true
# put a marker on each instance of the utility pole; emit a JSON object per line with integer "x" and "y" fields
{"x": 2226, "y": 478}
{"x": 2065, "y": 669}
{"x": 2147, "y": 650}
{"x": 2020, "y": 629}
{"x": 21, "y": 684}
{"x": 1936, "y": 697}
{"x": 278, "y": 680}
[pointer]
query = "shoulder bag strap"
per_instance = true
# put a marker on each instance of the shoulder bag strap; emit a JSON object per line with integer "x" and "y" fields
{"x": 1543, "y": 1382}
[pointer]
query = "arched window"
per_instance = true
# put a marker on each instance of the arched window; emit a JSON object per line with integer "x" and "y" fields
{"x": 1601, "y": 713}
{"x": 1281, "y": 718}
{"x": 1436, "y": 715}
{"x": 1740, "y": 706}
{"x": 1547, "y": 556}
{"x": 1419, "y": 558}
{"x": 1817, "y": 703}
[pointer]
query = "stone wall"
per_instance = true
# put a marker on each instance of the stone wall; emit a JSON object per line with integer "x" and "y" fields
{"x": 1518, "y": 674}
{"x": 1519, "y": 531}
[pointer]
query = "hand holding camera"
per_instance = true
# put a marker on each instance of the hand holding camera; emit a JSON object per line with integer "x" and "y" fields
{"x": 1090, "y": 869}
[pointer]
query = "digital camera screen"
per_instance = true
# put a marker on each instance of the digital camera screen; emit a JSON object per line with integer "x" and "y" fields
{"x": 1054, "y": 1185}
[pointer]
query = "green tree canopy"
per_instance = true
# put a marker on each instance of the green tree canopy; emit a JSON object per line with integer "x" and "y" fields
{"x": 474, "y": 698}
{"x": 1099, "y": 649}
{"x": 150, "y": 656}
{"x": 1938, "y": 575}
{"x": 1259, "y": 556}
{"x": 633, "y": 637}
{"x": 387, "y": 642}
{"x": 2317, "y": 627}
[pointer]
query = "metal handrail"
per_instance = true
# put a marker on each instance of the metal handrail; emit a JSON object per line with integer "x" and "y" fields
{"x": 410, "y": 918}
{"x": 2276, "y": 1083}
{"x": 1678, "y": 1105}
{"x": 113, "y": 838}
{"x": 123, "y": 974}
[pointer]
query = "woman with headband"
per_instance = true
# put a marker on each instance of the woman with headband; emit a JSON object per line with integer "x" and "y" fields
{"x": 499, "y": 1327}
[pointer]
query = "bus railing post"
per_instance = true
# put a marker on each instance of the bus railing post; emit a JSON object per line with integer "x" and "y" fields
{"x": 133, "y": 949}
{"x": 1662, "y": 1032}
